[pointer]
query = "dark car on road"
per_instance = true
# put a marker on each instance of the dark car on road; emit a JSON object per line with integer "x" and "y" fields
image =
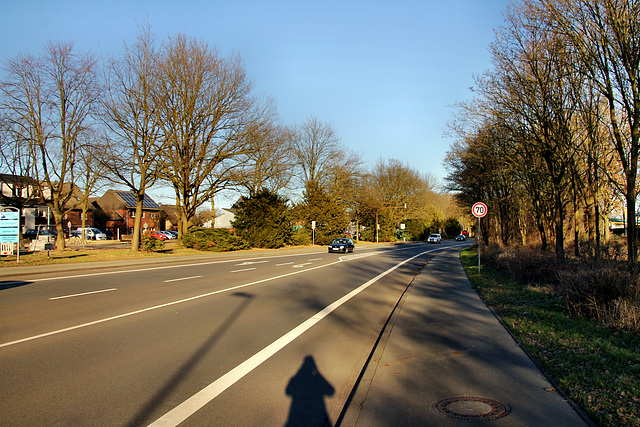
{"x": 341, "y": 245}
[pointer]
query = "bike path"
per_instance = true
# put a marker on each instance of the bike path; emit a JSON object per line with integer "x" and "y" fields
{"x": 445, "y": 359}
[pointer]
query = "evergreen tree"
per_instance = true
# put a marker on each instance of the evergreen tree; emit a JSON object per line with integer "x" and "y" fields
{"x": 330, "y": 217}
{"x": 264, "y": 220}
{"x": 452, "y": 227}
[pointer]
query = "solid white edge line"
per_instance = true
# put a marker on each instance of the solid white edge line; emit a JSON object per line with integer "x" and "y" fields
{"x": 83, "y": 293}
{"x": 187, "y": 408}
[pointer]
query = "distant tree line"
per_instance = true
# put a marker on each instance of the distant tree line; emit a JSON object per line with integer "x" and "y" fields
{"x": 552, "y": 138}
{"x": 180, "y": 114}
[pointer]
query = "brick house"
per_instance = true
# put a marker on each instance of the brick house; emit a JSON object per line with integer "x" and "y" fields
{"x": 117, "y": 211}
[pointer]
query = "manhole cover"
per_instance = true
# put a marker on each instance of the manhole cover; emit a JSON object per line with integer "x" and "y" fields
{"x": 469, "y": 408}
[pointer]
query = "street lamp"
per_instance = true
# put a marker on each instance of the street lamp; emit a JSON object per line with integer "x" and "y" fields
{"x": 382, "y": 208}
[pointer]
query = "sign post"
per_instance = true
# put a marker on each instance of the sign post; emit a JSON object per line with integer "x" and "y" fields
{"x": 10, "y": 229}
{"x": 313, "y": 233}
{"x": 479, "y": 210}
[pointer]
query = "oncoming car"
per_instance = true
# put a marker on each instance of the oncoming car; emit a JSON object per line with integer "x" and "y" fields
{"x": 461, "y": 238}
{"x": 341, "y": 245}
{"x": 434, "y": 238}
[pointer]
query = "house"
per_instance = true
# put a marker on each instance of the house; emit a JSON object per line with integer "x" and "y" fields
{"x": 24, "y": 193}
{"x": 224, "y": 218}
{"x": 118, "y": 211}
{"x": 168, "y": 216}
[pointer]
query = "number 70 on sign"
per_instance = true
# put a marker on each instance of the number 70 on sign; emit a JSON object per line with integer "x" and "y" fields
{"x": 479, "y": 210}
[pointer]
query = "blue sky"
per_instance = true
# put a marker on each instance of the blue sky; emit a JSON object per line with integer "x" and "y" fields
{"x": 385, "y": 74}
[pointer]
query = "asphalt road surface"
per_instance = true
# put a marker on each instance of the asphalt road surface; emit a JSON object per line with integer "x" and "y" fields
{"x": 260, "y": 340}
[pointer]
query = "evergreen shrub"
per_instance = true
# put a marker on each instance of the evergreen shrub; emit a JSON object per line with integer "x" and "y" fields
{"x": 213, "y": 240}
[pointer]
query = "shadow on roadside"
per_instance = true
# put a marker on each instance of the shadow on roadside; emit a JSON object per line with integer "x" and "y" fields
{"x": 307, "y": 389}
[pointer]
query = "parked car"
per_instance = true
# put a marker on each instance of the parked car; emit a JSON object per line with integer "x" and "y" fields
{"x": 173, "y": 233}
{"x": 434, "y": 238}
{"x": 90, "y": 233}
{"x": 168, "y": 235}
{"x": 154, "y": 233}
{"x": 461, "y": 238}
{"x": 29, "y": 234}
{"x": 33, "y": 233}
{"x": 342, "y": 245}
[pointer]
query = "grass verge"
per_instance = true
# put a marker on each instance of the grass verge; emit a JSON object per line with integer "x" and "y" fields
{"x": 596, "y": 366}
{"x": 69, "y": 256}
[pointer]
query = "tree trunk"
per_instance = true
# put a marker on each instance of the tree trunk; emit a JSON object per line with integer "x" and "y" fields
{"x": 632, "y": 231}
{"x": 135, "y": 243}
{"x": 560, "y": 255}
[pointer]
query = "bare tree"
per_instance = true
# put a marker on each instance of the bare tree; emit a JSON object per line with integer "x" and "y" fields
{"x": 319, "y": 156}
{"x": 16, "y": 167}
{"x": 606, "y": 38}
{"x": 316, "y": 148}
{"x": 534, "y": 85}
{"x": 206, "y": 117}
{"x": 49, "y": 100}
{"x": 17, "y": 187}
{"x": 134, "y": 143}
{"x": 91, "y": 173}
{"x": 396, "y": 191}
{"x": 268, "y": 165}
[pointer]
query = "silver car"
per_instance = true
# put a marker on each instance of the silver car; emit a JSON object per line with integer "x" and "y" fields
{"x": 434, "y": 238}
{"x": 92, "y": 233}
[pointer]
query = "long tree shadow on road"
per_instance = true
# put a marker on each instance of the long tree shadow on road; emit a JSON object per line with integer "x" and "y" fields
{"x": 10, "y": 284}
{"x": 307, "y": 389}
{"x": 142, "y": 417}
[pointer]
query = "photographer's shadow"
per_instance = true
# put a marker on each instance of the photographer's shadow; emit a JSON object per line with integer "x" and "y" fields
{"x": 307, "y": 389}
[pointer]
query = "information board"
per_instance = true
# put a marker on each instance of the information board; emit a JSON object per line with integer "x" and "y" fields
{"x": 9, "y": 227}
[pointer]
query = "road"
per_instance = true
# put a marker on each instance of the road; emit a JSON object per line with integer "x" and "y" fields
{"x": 257, "y": 340}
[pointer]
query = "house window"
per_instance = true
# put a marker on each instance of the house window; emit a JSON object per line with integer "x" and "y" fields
{"x": 133, "y": 214}
{"x": 154, "y": 216}
{"x": 144, "y": 214}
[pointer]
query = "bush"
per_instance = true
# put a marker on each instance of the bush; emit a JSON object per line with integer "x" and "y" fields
{"x": 301, "y": 237}
{"x": 151, "y": 244}
{"x": 607, "y": 294}
{"x": 525, "y": 265}
{"x": 213, "y": 240}
{"x": 606, "y": 291}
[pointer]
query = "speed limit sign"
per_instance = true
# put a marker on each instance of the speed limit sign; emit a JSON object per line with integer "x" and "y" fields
{"x": 479, "y": 210}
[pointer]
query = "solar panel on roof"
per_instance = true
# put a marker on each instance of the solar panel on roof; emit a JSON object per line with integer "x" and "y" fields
{"x": 127, "y": 197}
{"x": 147, "y": 202}
{"x": 130, "y": 200}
